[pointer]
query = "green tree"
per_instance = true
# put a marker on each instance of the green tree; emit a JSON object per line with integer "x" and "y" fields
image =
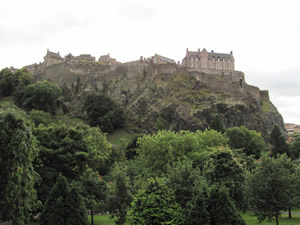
{"x": 271, "y": 188}
{"x": 295, "y": 148}
{"x": 278, "y": 141}
{"x": 155, "y": 204}
{"x": 41, "y": 96}
{"x": 65, "y": 205}
{"x": 40, "y": 117}
{"x": 103, "y": 112}
{"x": 217, "y": 124}
{"x": 251, "y": 142}
{"x": 156, "y": 152}
{"x": 94, "y": 192}
{"x": 120, "y": 195}
{"x": 221, "y": 208}
{"x": 69, "y": 151}
{"x": 197, "y": 208}
{"x": 17, "y": 177}
{"x": 223, "y": 169}
{"x": 181, "y": 178}
{"x": 12, "y": 80}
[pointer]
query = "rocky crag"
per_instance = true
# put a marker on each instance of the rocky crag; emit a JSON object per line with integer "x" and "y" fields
{"x": 166, "y": 96}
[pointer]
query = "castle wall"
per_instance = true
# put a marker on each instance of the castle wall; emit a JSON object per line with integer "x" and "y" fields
{"x": 264, "y": 95}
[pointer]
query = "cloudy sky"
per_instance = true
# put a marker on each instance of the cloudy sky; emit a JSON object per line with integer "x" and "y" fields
{"x": 264, "y": 35}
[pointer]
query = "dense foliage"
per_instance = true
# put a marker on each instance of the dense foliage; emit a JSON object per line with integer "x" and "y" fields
{"x": 12, "y": 80}
{"x": 17, "y": 177}
{"x": 103, "y": 112}
{"x": 69, "y": 151}
{"x": 64, "y": 205}
{"x": 251, "y": 142}
{"x": 154, "y": 205}
{"x": 272, "y": 187}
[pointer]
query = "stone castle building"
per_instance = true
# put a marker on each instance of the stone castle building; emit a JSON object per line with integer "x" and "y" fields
{"x": 52, "y": 58}
{"x": 208, "y": 60}
{"x": 158, "y": 59}
{"x": 106, "y": 59}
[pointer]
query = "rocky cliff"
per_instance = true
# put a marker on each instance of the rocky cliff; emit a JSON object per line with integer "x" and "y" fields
{"x": 165, "y": 96}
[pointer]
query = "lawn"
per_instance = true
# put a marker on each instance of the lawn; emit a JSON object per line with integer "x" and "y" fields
{"x": 250, "y": 220}
{"x": 118, "y": 137}
{"x": 102, "y": 220}
{"x": 284, "y": 220}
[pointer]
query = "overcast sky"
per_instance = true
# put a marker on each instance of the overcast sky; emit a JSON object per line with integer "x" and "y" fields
{"x": 264, "y": 35}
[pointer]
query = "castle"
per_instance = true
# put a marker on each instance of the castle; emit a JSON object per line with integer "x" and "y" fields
{"x": 208, "y": 60}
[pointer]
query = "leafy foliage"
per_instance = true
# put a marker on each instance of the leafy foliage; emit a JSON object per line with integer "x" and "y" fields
{"x": 69, "y": 151}
{"x": 221, "y": 208}
{"x": 13, "y": 80}
{"x": 271, "y": 187}
{"x": 279, "y": 145}
{"x": 223, "y": 169}
{"x": 103, "y": 112}
{"x": 155, "y": 204}
{"x": 217, "y": 124}
{"x": 17, "y": 177}
{"x": 41, "y": 96}
{"x": 251, "y": 142}
{"x": 64, "y": 205}
{"x": 157, "y": 151}
{"x": 120, "y": 195}
{"x": 40, "y": 117}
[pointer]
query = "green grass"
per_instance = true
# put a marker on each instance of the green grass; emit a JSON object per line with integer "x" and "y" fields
{"x": 284, "y": 220}
{"x": 102, "y": 220}
{"x": 118, "y": 137}
{"x": 65, "y": 118}
{"x": 266, "y": 106}
{"x": 6, "y": 102}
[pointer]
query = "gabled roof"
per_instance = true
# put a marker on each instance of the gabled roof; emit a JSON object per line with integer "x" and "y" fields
{"x": 53, "y": 55}
{"x": 211, "y": 55}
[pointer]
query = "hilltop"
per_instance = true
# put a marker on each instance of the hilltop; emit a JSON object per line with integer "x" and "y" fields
{"x": 165, "y": 96}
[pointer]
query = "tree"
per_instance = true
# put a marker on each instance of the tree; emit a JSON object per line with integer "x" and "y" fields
{"x": 221, "y": 208}
{"x": 120, "y": 195}
{"x": 103, "y": 112}
{"x": 69, "y": 151}
{"x": 12, "y": 80}
{"x": 197, "y": 208}
{"x": 41, "y": 96}
{"x": 17, "y": 177}
{"x": 94, "y": 192}
{"x": 223, "y": 169}
{"x": 181, "y": 177}
{"x": 155, "y": 204}
{"x": 251, "y": 142}
{"x": 279, "y": 145}
{"x": 271, "y": 187}
{"x": 217, "y": 124}
{"x": 157, "y": 151}
{"x": 65, "y": 205}
{"x": 295, "y": 148}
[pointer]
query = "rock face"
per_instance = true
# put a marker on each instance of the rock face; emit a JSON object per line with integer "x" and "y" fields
{"x": 165, "y": 96}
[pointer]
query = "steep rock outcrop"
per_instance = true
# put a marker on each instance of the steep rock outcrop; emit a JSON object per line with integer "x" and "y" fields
{"x": 165, "y": 96}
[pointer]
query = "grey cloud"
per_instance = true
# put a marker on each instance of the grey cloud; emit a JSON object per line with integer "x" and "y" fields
{"x": 42, "y": 30}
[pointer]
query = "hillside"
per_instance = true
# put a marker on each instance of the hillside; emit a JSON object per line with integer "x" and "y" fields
{"x": 165, "y": 96}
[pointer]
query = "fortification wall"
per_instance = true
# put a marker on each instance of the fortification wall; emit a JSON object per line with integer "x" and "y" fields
{"x": 264, "y": 95}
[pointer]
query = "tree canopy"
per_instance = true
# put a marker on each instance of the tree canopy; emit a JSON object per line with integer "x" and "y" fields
{"x": 12, "y": 80}
{"x": 18, "y": 149}
{"x": 251, "y": 142}
{"x": 41, "y": 96}
{"x": 154, "y": 205}
{"x": 103, "y": 112}
{"x": 270, "y": 188}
